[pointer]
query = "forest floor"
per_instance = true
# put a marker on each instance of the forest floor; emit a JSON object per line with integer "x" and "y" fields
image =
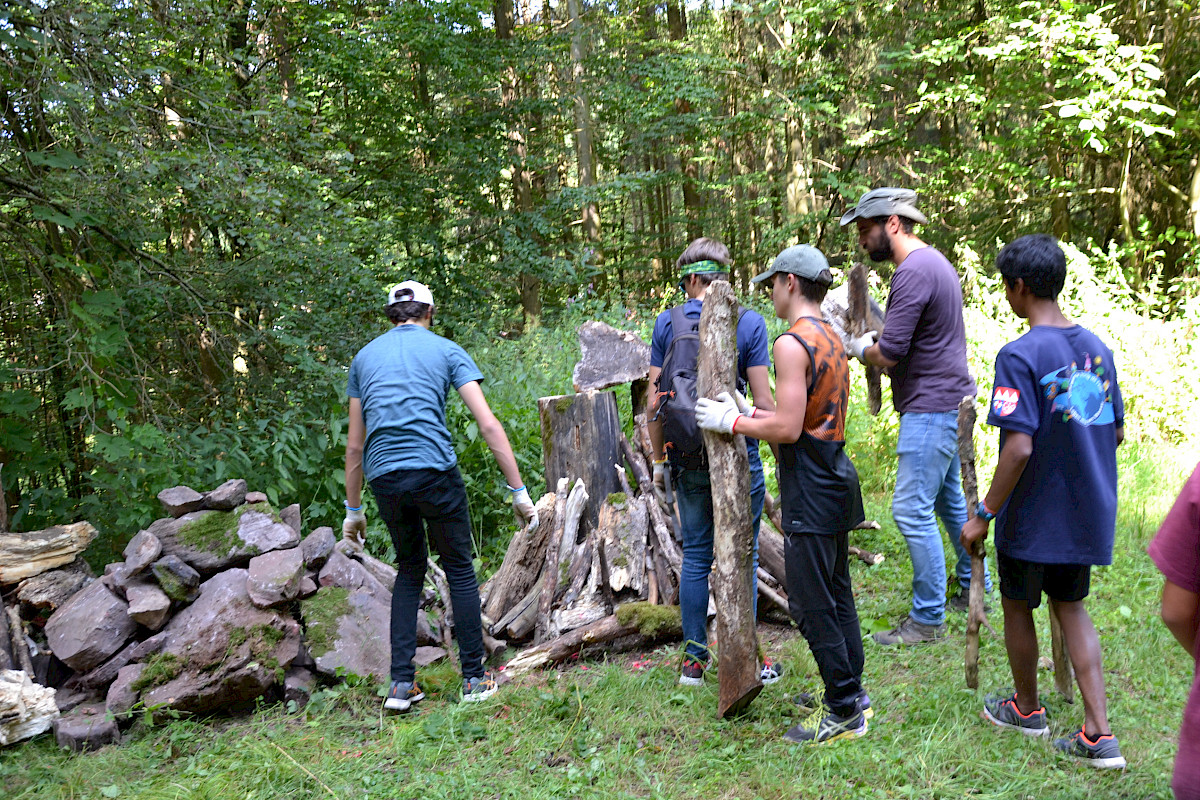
{"x": 623, "y": 727}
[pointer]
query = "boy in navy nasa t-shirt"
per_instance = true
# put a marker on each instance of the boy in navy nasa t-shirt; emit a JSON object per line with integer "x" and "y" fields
{"x": 1054, "y": 493}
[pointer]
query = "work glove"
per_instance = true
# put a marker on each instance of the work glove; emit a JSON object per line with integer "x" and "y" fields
{"x": 718, "y": 415}
{"x": 859, "y": 344}
{"x": 354, "y": 527}
{"x": 660, "y": 481}
{"x": 742, "y": 403}
{"x": 524, "y": 509}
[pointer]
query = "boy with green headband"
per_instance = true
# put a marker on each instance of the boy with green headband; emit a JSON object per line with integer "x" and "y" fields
{"x": 704, "y": 261}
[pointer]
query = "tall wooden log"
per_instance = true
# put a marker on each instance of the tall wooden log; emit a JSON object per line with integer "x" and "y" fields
{"x": 550, "y": 571}
{"x": 665, "y": 546}
{"x": 976, "y": 615}
{"x": 729, "y": 474}
{"x": 6, "y": 653}
{"x": 1064, "y": 671}
{"x": 522, "y": 562}
{"x": 864, "y": 317}
{"x": 580, "y": 434}
{"x": 774, "y": 516}
{"x": 3, "y": 504}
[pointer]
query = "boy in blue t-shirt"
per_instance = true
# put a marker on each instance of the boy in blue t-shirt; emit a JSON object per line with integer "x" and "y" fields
{"x": 1054, "y": 493}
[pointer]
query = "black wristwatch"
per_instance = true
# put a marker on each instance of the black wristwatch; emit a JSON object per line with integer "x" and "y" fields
{"x": 982, "y": 512}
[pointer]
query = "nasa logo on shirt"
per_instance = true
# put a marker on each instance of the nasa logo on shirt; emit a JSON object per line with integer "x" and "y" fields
{"x": 1004, "y": 400}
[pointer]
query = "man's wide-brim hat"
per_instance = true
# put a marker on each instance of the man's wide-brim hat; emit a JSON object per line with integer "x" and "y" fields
{"x": 883, "y": 202}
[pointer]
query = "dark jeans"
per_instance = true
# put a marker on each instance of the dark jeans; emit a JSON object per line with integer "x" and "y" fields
{"x": 406, "y": 499}
{"x": 822, "y": 603}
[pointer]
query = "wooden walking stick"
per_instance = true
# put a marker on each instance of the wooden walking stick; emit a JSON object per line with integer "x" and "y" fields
{"x": 976, "y": 615}
{"x": 729, "y": 474}
{"x": 1064, "y": 672}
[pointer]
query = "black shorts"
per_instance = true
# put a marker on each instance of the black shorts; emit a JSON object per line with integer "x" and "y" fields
{"x": 1026, "y": 580}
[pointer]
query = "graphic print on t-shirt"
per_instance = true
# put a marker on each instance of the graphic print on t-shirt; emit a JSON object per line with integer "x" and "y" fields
{"x": 1080, "y": 394}
{"x": 1004, "y": 400}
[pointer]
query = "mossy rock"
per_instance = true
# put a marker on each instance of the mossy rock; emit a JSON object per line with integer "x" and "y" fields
{"x": 321, "y": 613}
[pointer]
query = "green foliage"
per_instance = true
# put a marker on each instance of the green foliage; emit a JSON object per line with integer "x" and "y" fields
{"x": 160, "y": 668}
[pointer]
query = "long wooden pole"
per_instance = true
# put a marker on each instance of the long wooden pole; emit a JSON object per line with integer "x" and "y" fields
{"x": 3, "y": 504}
{"x": 729, "y": 476}
{"x": 976, "y": 615}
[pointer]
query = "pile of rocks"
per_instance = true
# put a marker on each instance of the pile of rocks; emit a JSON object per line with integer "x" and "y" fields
{"x": 220, "y": 602}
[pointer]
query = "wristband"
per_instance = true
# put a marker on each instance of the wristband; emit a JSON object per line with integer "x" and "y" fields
{"x": 733, "y": 425}
{"x": 983, "y": 513}
{"x": 662, "y": 460}
{"x": 514, "y": 491}
{"x": 346, "y": 503}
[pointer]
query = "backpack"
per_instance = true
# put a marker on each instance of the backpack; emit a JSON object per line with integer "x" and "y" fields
{"x": 677, "y": 388}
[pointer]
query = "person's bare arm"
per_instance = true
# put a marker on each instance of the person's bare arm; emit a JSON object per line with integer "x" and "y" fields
{"x": 786, "y": 422}
{"x": 654, "y": 426}
{"x": 759, "y": 379}
{"x": 1181, "y": 614}
{"x": 1018, "y": 447}
{"x": 356, "y": 434}
{"x": 872, "y": 355}
{"x": 492, "y": 431}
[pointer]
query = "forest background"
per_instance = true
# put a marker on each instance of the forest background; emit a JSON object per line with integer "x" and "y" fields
{"x": 201, "y": 204}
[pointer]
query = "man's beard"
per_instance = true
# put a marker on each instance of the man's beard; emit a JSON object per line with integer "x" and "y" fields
{"x": 882, "y": 251}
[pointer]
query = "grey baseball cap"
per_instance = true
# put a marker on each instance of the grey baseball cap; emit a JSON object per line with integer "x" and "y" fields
{"x": 883, "y": 202}
{"x": 799, "y": 259}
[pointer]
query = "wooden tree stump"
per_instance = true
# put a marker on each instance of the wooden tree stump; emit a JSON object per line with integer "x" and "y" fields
{"x": 976, "y": 615}
{"x": 729, "y": 474}
{"x": 580, "y": 440}
{"x": 864, "y": 316}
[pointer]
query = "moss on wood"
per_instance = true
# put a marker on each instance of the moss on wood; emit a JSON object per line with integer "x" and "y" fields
{"x": 651, "y": 620}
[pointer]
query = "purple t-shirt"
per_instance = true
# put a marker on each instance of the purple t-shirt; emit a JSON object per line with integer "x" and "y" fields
{"x": 1176, "y": 552}
{"x": 924, "y": 332}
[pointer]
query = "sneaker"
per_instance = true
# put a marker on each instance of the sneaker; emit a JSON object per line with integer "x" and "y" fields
{"x": 692, "y": 673}
{"x": 476, "y": 690}
{"x": 909, "y": 631}
{"x": 962, "y": 602}
{"x": 829, "y": 728}
{"x": 401, "y": 696}
{"x": 1104, "y": 753}
{"x": 1003, "y": 712}
{"x": 771, "y": 672}
{"x": 807, "y": 702}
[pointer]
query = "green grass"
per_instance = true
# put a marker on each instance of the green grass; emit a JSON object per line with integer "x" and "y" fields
{"x": 624, "y": 728}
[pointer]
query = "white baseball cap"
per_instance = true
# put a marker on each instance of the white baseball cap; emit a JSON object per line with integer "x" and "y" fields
{"x": 410, "y": 291}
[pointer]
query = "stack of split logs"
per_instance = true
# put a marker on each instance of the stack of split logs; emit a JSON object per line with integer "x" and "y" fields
{"x": 604, "y": 539}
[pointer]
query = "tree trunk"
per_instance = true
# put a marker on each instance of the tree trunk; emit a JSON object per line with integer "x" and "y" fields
{"x": 729, "y": 473}
{"x": 583, "y": 133}
{"x": 859, "y": 302}
{"x": 688, "y": 168}
{"x": 580, "y": 440}
{"x": 6, "y": 652}
{"x": 522, "y": 563}
{"x": 975, "y": 613}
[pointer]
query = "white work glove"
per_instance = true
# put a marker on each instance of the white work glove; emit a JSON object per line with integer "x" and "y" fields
{"x": 524, "y": 509}
{"x": 717, "y": 415}
{"x": 742, "y": 403}
{"x": 354, "y": 527}
{"x": 859, "y": 344}
{"x": 660, "y": 481}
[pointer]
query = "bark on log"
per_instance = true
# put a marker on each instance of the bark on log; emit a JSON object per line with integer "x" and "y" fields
{"x": 976, "y": 615}
{"x": 1064, "y": 671}
{"x": 624, "y": 525}
{"x": 23, "y": 555}
{"x": 775, "y": 517}
{"x": 862, "y": 320}
{"x": 16, "y": 636}
{"x": 522, "y": 562}
{"x": 519, "y": 620}
{"x": 605, "y": 587}
{"x": 639, "y": 631}
{"x": 579, "y": 442}
{"x": 558, "y": 557}
{"x": 3, "y": 504}
{"x": 580, "y": 570}
{"x": 549, "y": 573}
{"x": 729, "y": 473}
{"x": 769, "y": 592}
{"x": 6, "y": 653}
{"x": 665, "y": 546}
{"x": 609, "y": 357}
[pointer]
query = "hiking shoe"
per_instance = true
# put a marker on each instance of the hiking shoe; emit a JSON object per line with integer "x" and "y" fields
{"x": 1104, "y": 753}
{"x": 829, "y": 728}
{"x": 692, "y": 673}
{"x": 808, "y": 702}
{"x": 1003, "y": 712}
{"x": 476, "y": 690}
{"x": 909, "y": 631}
{"x": 401, "y": 696}
{"x": 771, "y": 672}
{"x": 962, "y": 602}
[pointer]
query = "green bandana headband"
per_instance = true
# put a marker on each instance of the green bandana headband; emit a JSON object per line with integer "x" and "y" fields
{"x": 702, "y": 266}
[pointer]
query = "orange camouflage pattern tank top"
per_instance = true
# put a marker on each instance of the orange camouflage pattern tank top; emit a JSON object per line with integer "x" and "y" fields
{"x": 829, "y": 384}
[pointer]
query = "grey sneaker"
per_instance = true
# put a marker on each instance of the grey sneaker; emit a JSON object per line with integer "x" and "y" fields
{"x": 476, "y": 690}
{"x": 1001, "y": 710}
{"x": 401, "y": 696}
{"x": 909, "y": 631}
{"x": 807, "y": 702}
{"x": 1104, "y": 753}
{"x": 830, "y": 728}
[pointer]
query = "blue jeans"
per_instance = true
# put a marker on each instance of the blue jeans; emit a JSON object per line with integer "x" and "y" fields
{"x": 693, "y": 498}
{"x": 928, "y": 488}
